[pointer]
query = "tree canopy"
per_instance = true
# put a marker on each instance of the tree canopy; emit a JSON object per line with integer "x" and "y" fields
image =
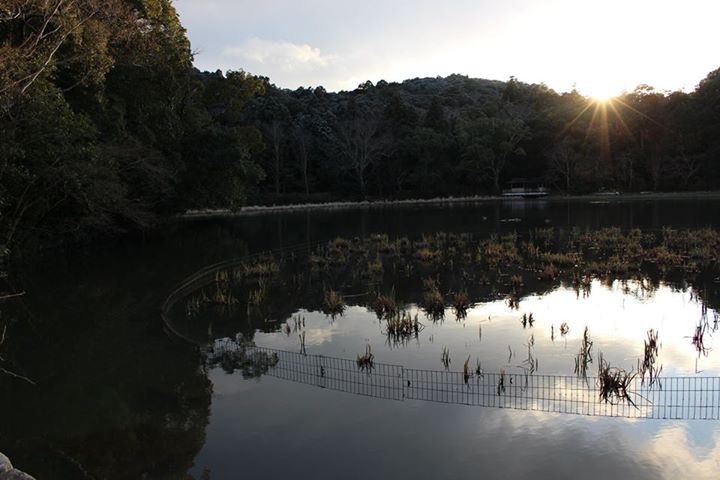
{"x": 105, "y": 126}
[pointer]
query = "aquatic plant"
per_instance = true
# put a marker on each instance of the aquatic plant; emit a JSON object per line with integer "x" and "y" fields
{"x": 299, "y": 322}
{"x": 513, "y": 302}
{"x": 501, "y": 383}
{"x": 527, "y": 320}
{"x": 426, "y": 255}
{"x": 461, "y": 303}
{"x": 445, "y": 357}
{"x": 466, "y": 370}
{"x": 375, "y": 268}
{"x": 584, "y": 357}
{"x": 258, "y": 295}
{"x": 564, "y": 329}
{"x": 647, "y": 366}
{"x": 478, "y": 368}
{"x": 530, "y": 364}
{"x": 333, "y": 303}
{"x": 433, "y": 301}
{"x": 366, "y": 362}
{"x": 301, "y": 336}
{"x": 614, "y": 383}
{"x": 698, "y": 339}
{"x": 222, "y": 277}
{"x": 262, "y": 267}
{"x": 195, "y": 303}
{"x": 548, "y": 272}
{"x": 384, "y": 305}
{"x": 402, "y": 326}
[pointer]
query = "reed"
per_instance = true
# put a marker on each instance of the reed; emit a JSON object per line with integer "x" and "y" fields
{"x": 366, "y": 362}
{"x": 467, "y": 373}
{"x": 401, "y": 327}
{"x": 258, "y": 295}
{"x": 445, "y": 358}
{"x": 647, "y": 367}
{"x": 584, "y": 357}
{"x": 333, "y": 303}
{"x": 461, "y": 304}
{"x": 433, "y": 301}
{"x": 564, "y": 329}
{"x": 384, "y": 305}
{"x": 614, "y": 383}
{"x": 501, "y": 383}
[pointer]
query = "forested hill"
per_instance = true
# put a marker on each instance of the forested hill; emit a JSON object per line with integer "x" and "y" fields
{"x": 459, "y": 135}
{"x": 106, "y": 126}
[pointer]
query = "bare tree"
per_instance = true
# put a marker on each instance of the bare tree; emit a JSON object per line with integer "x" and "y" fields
{"x": 361, "y": 145}
{"x": 302, "y": 141}
{"x": 564, "y": 159}
{"x": 275, "y": 131}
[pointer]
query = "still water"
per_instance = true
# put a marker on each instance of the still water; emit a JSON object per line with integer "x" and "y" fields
{"x": 119, "y": 396}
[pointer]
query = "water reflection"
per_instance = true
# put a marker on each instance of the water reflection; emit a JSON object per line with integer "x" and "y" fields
{"x": 113, "y": 397}
{"x": 494, "y": 301}
{"x": 669, "y": 397}
{"x": 431, "y": 440}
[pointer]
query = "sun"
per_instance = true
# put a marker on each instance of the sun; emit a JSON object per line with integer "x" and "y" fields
{"x": 601, "y": 89}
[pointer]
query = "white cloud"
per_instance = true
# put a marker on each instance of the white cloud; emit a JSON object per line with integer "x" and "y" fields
{"x": 273, "y": 54}
{"x": 595, "y": 44}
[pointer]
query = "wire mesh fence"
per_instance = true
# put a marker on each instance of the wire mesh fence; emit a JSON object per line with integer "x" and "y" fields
{"x": 687, "y": 398}
{"x": 382, "y": 380}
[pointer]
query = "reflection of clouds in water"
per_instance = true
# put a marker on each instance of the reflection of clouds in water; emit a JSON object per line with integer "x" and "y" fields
{"x": 618, "y": 322}
{"x": 474, "y": 442}
{"x": 672, "y": 449}
{"x": 677, "y": 455}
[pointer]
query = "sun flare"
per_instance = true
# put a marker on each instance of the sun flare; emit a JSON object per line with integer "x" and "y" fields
{"x": 601, "y": 90}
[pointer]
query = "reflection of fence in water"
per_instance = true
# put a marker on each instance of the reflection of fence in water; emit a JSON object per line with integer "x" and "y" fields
{"x": 384, "y": 381}
{"x": 676, "y": 398}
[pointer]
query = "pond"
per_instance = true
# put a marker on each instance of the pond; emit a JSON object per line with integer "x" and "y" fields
{"x": 502, "y": 339}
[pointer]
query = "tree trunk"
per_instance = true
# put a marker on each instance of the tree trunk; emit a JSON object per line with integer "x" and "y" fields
{"x": 276, "y": 151}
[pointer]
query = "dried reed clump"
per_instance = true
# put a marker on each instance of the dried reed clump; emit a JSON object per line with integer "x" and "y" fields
{"x": 527, "y": 320}
{"x": 647, "y": 367}
{"x": 366, "y": 362}
{"x": 564, "y": 329}
{"x": 461, "y": 304}
{"x": 433, "y": 300}
{"x": 384, "y": 306}
{"x": 402, "y": 326}
{"x": 614, "y": 383}
{"x": 333, "y": 304}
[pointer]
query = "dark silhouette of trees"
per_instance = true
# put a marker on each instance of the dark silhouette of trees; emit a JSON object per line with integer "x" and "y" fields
{"x": 105, "y": 127}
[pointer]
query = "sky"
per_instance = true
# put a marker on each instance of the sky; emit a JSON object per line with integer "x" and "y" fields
{"x": 600, "y": 47}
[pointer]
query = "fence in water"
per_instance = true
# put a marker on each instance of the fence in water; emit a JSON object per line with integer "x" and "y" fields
{"x": 685, "y": 398}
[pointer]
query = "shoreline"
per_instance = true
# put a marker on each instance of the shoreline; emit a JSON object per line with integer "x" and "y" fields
{"x": 438, "y": 201}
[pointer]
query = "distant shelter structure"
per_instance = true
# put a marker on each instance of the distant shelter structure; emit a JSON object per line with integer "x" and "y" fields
{"x": 526, "y": 188}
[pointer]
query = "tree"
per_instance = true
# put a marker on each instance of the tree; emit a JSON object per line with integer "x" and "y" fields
{"x": 563, "y": 161}
{"x": 488, "y": 143}
{"x": 360, "y": 145}
{"x": 303, "y": 137}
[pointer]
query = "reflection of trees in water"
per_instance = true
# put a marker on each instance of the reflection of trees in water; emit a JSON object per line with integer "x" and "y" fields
{"x": 114, "y": 398}
{"x": 484, "y": 269}
{"x": 237, "y": 354}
